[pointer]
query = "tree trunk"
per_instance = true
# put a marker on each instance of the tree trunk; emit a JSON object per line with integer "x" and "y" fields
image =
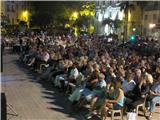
{"x": 142, "y": 21}
{"x": 126, "y": 25}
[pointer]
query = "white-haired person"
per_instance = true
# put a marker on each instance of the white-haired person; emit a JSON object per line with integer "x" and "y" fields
{"x": 137, "y": 96}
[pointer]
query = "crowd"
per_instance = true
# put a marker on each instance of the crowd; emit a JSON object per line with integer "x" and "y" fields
{"x": 102, "y": 74}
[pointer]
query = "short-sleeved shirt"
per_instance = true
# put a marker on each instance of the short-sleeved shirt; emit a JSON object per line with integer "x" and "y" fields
{"x": 129, "y": 86}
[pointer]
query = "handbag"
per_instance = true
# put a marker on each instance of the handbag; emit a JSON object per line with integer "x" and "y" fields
{"x": 131, "y": 116}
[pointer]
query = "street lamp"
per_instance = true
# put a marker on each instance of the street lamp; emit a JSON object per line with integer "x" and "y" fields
{"x": 134, "y": 29}
{"x": 152, "y": 25}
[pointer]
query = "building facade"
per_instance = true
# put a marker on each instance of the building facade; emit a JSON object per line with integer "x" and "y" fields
{"x": 151, "y": 20}
{"x": 12, "y": 11}
{"x": 112, "y": 10}
{"x": 143, "y": 19}
{"x": 106, "y": 10}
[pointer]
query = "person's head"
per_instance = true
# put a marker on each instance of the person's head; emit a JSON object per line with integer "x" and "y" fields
{"x": 149, "y": 78}
{"x": 117, "y": 84}
{"x": 120, "y": 75}
{"x": 138, "y": 72}
{"x": 111, "y": 70}
{"x": 75, "y": 65}
{"x": 39, "y": 49}
{"x": 129, "y": 77}
{"x": 96, "y": 67}
{"x": 70, "y": 63}
{"x": 101, "y": 76}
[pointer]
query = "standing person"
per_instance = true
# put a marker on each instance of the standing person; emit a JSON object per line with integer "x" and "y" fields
{"x": 2, "y": 46}
{"x": 38, "y": 42}
{"x": 21, "y": 45}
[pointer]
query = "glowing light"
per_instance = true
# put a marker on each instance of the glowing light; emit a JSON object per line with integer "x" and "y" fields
{"x": 134, "y": 29}
{"x": 133, "y": 38}
{"x": 152, "y": 25}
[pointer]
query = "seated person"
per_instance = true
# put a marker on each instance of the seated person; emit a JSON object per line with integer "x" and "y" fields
{"x": 137, "y": 96}
{"x": 98, "y": 88}
{"x": 97, "y": 101}
{"x": 128, "y": 85}
{"x": 72, "y": 76}
{"x": 42, "y": 57}
{"x": 85, "y": 89}
{"x": 137, "y": 76}
{"x": 61, "y": 74}
{"x": 116, "y": 103}
{"x": 31, "y": 54}
{"x": 54, "y": 70}
{"x": 60, "y": 68}
{"x": 154, "y": 97}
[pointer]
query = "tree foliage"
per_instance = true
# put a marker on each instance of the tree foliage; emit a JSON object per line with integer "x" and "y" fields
{"x": 52, "y": 12}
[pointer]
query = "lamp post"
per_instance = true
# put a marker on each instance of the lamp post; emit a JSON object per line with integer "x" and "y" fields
{"x": 151, "y": 27}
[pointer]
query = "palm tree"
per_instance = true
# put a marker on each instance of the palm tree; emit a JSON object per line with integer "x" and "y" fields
{"x": 142, "y": 5}
{"x": 126, "y": 6}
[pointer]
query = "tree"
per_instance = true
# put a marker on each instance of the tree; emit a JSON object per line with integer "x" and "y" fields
{"x": 142, "y": 5}
{"x": 126, "y": 6}
{"x": 87, "y": 14}
{"x": 52, "y": 12}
